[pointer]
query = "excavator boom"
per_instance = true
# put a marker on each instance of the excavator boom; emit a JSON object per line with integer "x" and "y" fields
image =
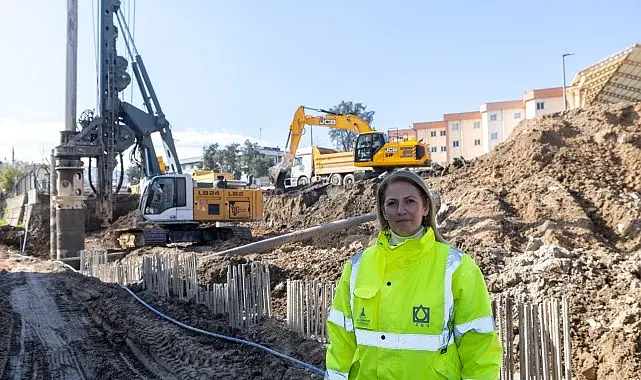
{"x": 279, "y": 172}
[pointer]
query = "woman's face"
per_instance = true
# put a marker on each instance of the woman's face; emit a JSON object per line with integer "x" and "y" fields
{"x": 404, "y": 208}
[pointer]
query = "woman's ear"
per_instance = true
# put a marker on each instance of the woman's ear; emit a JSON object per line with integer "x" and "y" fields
{"x": 426, "y": 209}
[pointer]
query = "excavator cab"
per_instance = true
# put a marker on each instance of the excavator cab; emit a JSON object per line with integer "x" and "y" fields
{"x": 367, "y": 144}
{"x": 165, "y": 197}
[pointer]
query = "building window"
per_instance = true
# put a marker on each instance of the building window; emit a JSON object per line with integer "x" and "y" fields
{"x": 477, "y": 142}
{"x": 443, "y": 149}
{"x": 456, "y": 126}
{"x": 540, "y": 105}
{"x": 477, "y": 124}
{"x": 494, "y": 136}
{"x": 433, "y": 149}
{"x": 455, "y": 143}
{"x": 443, "y": 133}
{"x": 517, "y": 115}
{"x": 493, "y": 117}
{"x": 433, "y": 134}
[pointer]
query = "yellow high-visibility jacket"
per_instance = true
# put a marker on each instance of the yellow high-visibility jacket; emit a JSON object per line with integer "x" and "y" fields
{"x": 419, "y": 310}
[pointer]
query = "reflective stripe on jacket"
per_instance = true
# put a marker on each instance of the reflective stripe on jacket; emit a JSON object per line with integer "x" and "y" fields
{"x": 420, "y": 310}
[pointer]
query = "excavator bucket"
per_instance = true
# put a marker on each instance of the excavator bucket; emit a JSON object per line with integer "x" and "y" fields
{"x": 278, "y": 173}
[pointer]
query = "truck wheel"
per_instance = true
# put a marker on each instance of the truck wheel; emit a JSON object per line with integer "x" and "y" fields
{"x": 348, "y": 180}
{"x": 302, "y": 181}
{"x": 335, "y": 179}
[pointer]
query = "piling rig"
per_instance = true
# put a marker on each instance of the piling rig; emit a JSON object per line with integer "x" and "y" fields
{"x": 103, "y": 135}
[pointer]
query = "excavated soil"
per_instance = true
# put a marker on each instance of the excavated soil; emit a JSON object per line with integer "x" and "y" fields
{"x": 11, "y": 236}
{"x": 318, "y": 204}
{"x": 554, "y": 210}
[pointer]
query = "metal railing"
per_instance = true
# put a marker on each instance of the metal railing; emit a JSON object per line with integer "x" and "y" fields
{"x": 37, "y": 178}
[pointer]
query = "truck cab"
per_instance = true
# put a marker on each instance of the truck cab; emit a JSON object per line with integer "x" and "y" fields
{"x": 302, "y": 170}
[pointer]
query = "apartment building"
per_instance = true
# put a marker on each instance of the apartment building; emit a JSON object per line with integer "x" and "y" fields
{"x": 543, "y": 102}
{"x": 465, "y": 134}
{"x": 471, "y": 134}
{"x": 434, "y": 134}
{"x": 401, "y": 134}
{"x": 498, "y": 120}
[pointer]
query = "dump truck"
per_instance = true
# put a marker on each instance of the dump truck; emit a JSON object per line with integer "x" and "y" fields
{"x": 317, "y": 164}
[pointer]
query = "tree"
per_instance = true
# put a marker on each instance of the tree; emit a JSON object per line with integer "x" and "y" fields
{"x": 342, "y": 139}
{"x": 229, "y": 160}
{"x": 9, "y": 174}
{"x": 211, "y": 157}
{"x": 133, "y": 173}
{"x": 253, "y": 162}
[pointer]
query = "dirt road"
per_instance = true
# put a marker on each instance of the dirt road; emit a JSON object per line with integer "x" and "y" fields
{"x": 52, "y": 338}
{"x": 56, "y": 324}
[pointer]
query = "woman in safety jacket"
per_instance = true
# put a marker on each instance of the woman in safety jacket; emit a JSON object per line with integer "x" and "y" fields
{"x": 411, "y": 306}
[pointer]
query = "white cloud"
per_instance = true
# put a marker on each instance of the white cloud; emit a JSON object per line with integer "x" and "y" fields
{"x": 190, "y": 142}
{"x": 33, "y": 141}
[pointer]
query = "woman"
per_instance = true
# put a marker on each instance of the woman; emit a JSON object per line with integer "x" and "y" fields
{"x": 411, "y": 306}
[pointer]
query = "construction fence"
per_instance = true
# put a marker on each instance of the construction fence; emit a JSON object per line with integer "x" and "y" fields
{"x": 245, "y": 297}
{"x": 543, "y": 350}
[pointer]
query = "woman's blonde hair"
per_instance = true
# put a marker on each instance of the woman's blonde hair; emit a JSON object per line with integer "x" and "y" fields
{"x": 414, "y": 179}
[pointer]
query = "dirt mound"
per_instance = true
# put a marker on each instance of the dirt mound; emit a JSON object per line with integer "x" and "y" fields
{"x": 554, "y": 210}
{"x": 581, "y": 169}
{"x": 318, "y": 204}
{"x": 11, "y": 236}
{"x": 39, "y": 232}
{"x": 105, "y": 237}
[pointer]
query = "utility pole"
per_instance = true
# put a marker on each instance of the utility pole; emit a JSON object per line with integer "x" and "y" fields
{"x": 565, "y": 97}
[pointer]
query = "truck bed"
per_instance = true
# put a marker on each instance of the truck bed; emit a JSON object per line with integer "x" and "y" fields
{"x": 330, "y": 163}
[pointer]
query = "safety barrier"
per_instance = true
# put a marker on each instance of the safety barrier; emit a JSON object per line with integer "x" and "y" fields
{"x": 544, "y": 348}
{"x": 245, "y": 298}
{"x": 307, "y": 305}
{"x": 249, "y": 294}
{"x": 96, "y": 264}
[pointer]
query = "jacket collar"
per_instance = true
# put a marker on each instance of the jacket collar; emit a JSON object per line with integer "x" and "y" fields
{"x": 408, "y": 248}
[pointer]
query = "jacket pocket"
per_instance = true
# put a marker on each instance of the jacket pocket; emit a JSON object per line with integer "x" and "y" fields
{"x": 444, "y": 369}
{"x": 366, "y": 305}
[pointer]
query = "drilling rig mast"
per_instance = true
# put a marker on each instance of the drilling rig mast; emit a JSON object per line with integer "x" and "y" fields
{"x": 105, "y": 135}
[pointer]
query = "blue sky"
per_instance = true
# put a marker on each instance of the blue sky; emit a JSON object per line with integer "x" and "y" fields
{"x": 239, "y": 69}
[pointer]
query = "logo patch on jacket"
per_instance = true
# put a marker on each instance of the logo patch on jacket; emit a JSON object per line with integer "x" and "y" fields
{"x": 362, "y": 320}
{"x": 421, "y": 315}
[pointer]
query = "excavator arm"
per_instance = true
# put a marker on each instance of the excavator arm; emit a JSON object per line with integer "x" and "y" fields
{"x": 279, "y": 172}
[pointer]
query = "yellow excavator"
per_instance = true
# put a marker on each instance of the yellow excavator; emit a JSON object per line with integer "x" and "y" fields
{"x": 372, "y": 149}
